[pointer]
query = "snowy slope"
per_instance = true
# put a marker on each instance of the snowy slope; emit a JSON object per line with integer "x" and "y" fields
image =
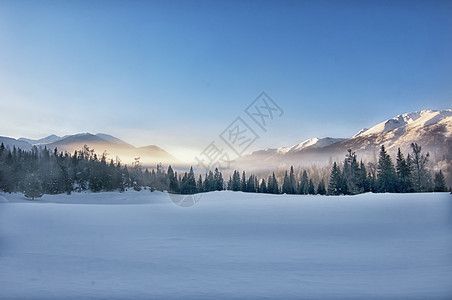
{"x": 312, "y": 143}
{"x": 411, "y": 121}
{"x": 228, "y": 246}
{"x": 432, "y": 129}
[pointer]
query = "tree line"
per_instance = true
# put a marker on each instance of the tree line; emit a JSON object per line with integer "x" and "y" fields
{"x": 42, "y": 171}
{"x": 409, "y": 174}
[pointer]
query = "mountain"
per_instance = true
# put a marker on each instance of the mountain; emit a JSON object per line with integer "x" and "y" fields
{"x": 432, "y": 129}
{"x": 11, "y": 142}
{"x": 46, "y": 140}
{"x": 312, "y": 143}
{"x": 100, "y": 142}
{"x": 112, "y": 139}
{"x": 74, "y": 142}
{"x": 114, "y": 147}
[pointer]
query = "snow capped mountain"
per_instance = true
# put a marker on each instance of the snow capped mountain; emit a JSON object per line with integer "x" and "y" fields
{"x": 408, "y": 121}
{"x": 432, "y": 129}
{"x": 311, "y": 143}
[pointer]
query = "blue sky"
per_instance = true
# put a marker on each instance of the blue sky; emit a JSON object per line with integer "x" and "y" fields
{"x": 176, "y": 74}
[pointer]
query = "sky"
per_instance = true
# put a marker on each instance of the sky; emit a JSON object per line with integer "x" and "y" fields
{"x": 177, "y": 73}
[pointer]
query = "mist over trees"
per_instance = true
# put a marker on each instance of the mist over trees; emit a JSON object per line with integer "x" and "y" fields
{"x": 42, "y": 171}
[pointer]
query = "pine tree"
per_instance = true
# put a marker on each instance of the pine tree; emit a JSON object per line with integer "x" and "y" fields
{"x": 348, "y": 180}
{"x": 209, "y": 182}
{"x": 287, "y": 186}
{"x": 200, "y": 185}
{"x": 440, "y": 183}
{"x": 270, "y": 184}
{"x": 229, "y": 185}
{"x": 263, "y": 187}
{"x": 421, "y": 177}
{"x": 335, "y": 185}
{"x": 311, "y": 188}
{"x": 293, "y": 181}
{"x": 362, "y": 185}
{"x": 386, "y": 175}
{"x": 274, "y": 185}
{"x": 236, "y": 181}
{"x": 243, "y": 183}
{"x": 403, "y": 172}
{"x": 321, "y": 190}
{"x": 218, "y": 180}
{"x": 172, "y": 179}
{"x": 250, "y": 187}
{"x": 32, "y": 186}
{"x": 304, "y": 183}
{"x": 191, "y": 182}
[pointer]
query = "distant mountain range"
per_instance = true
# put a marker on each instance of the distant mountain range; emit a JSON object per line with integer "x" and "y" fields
{"x": 100, "y": 142}
{"x": 432, "y": 129}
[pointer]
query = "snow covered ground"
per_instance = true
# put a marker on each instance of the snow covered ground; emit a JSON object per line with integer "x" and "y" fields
{"x": 140, "y": 245}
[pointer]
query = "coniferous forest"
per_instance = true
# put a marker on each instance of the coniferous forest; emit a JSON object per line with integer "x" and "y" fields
{"x": 43, "y": 171}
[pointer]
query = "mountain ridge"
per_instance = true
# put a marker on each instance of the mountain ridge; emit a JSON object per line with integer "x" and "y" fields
{"x": 100, "y": 142}
{"x": 432, "y": 129}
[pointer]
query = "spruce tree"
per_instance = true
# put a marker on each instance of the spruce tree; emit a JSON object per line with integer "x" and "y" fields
{"x": 243, "y": 182}
{"x": 250, "y": 187}
{"x": 191, "y": 182}
{"x": 362, "y": 185}
{"x": 200, "y": 185}
{"x": 386, "y": 175}
{"x": 270, "y": 184}
{"x": 421, "y": 177}
{"x": 287, "y": 186}
{"x": 218, "y": 180}
{"x": 263, "y": 187}
{"x": 311, "y": 188}
{"x": 32, "y": 186}
{"x": 348, "y": 173}
{"x": 209, "y": 182}
{"x": 274, "y": 185}
{"x": 304, "y": 183}
{"x": 229, "y": 185}
{"x": 173, "y": 185}
{"x": 403, "y": 172}
{"x": 335, "y": 185}
{"x": 236, "y": 181}
{"x": 321, "y": 190}
{"x": 439, "y": 182}
{"x": 293, "y": 181}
